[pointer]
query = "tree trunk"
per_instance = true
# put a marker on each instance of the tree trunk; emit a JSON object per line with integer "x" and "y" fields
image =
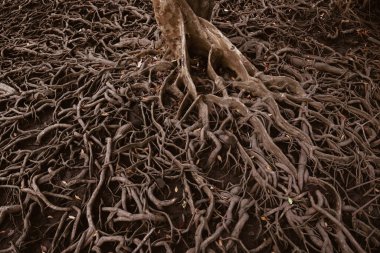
{"x": 181, "y": 27}
{"x": 172, "y": 15}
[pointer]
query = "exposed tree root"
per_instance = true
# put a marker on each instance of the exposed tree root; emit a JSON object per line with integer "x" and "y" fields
{"x": 181, "y": 27}
{"x": 111, "y": 145}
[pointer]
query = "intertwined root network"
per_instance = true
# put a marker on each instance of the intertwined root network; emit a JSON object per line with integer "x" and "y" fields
{"x": 114, "y": 145}
{"x": 243, "y": 97}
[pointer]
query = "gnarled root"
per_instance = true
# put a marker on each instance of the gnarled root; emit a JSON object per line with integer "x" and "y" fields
{"x": 186, "y": 34}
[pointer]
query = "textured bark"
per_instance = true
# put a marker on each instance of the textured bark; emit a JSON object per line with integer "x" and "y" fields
{"x": 182, "y": 28}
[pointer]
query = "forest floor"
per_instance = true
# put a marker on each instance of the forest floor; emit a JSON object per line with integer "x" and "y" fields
{"x": 100, "y": 152}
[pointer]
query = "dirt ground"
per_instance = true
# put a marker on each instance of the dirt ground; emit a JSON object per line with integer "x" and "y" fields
{"x": 103, "y": 151}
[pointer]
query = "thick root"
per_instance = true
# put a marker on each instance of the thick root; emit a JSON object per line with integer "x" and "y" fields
{"x": 185, "y": 32}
